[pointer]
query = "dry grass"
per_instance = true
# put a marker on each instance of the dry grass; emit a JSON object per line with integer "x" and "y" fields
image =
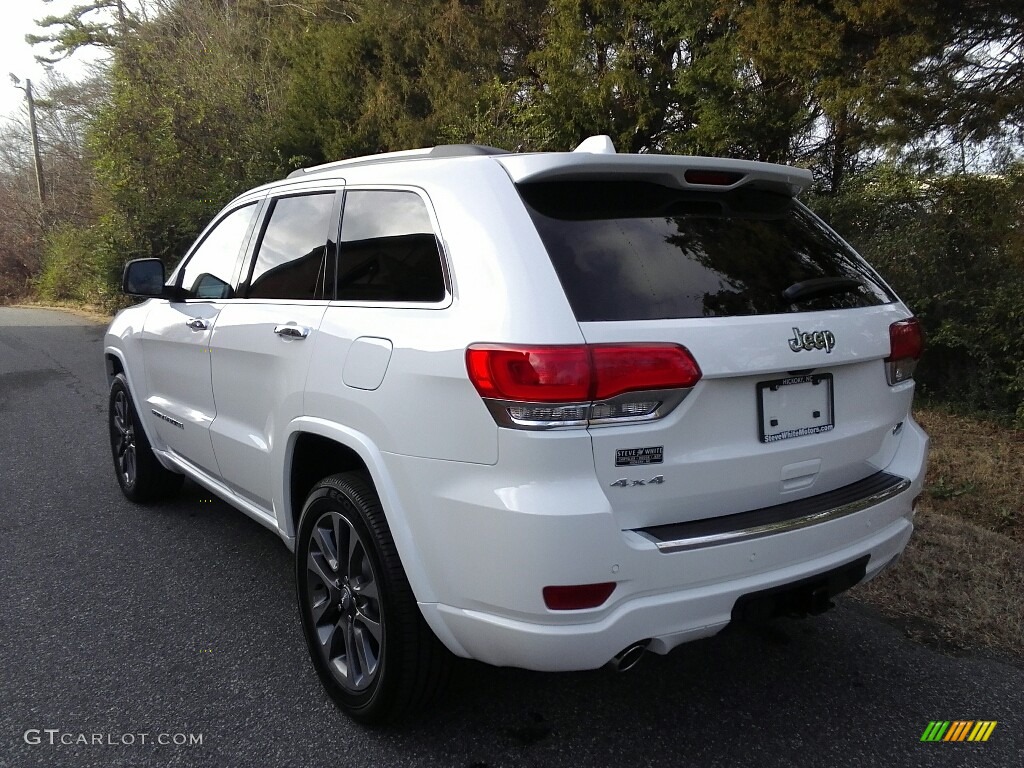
{"x": 976, "y": 471}
{"x": 960, "y": 580}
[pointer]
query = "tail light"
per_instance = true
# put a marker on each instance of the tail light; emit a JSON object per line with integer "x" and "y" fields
{"x": 544, "y": 387}
{"x": 906, "y": 343}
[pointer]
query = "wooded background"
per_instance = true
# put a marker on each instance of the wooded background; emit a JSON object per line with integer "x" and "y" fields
{"x": 910, "y": 113}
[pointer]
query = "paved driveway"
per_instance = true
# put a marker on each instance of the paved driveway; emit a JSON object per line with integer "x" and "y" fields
{"x": 126, "y": 624}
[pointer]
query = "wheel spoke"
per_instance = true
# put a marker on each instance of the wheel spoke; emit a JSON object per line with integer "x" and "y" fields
{"x": 365, "y": 654}
{"x": 355, "y": 555}
{"x": 321, "y": 606}
{"x": 370, "y": 625}
{"x": 320, "y": 570}
{"x": 329, "y": 549}
{"x": 351, "y": 663}
{"x": 327, "y": 636}
{"x": 340, "y": 530}
{"x": 121, "y": 417}
{"x": 128, "y": 464}
{"x": 366, "y": 589}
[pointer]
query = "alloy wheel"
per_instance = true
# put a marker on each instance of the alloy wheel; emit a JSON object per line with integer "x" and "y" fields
{"x": 124, "y": 438}
{"x": 344, "y": 600}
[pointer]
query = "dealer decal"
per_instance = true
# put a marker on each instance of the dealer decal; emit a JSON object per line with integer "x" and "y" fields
{"x": 636, "y": 457}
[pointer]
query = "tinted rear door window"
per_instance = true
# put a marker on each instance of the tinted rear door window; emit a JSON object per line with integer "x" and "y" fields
{"x": 295, "y": 259}
{"x": 641, "y": 251}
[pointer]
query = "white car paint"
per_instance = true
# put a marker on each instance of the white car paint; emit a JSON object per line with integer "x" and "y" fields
{"x": 484, "y": 517}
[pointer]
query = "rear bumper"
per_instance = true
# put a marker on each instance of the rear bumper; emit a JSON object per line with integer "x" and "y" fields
{"x": 489, "y": 562}
{"x": 668, "y": 619}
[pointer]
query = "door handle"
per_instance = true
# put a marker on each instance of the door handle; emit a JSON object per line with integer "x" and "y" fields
{"x": 197, "y": 324}
{"x": 291, "y": 331}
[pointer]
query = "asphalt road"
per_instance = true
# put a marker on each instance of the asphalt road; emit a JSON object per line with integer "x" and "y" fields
{"x": 178, "y": 622}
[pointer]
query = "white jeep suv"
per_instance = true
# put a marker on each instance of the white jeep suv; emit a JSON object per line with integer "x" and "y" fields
{"x": 541, "y": 410}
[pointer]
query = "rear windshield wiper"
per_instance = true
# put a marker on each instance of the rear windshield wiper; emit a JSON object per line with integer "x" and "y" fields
{"x": 821, "y": 286}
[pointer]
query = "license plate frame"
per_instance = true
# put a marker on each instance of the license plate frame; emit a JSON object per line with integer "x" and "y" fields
{"x": 796, "y": 407}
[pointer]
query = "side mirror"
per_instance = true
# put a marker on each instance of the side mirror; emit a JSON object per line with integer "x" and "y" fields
{"x": 143, "y": 277}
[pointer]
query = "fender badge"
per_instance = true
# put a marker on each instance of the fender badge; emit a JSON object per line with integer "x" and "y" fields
{"x": 626, "y": 483}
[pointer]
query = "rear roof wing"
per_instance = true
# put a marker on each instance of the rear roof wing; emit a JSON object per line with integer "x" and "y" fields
{"x": 670, "y": 170}
{"x": 596, "y": 157}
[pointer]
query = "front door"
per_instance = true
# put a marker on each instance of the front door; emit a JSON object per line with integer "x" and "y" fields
{"x": 176, "y": 340}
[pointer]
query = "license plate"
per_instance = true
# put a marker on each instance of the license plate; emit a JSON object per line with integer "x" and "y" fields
{"x": 795, "y": 407}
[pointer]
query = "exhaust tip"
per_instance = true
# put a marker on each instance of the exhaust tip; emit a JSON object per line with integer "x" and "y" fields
{"x": 628, "y": 657}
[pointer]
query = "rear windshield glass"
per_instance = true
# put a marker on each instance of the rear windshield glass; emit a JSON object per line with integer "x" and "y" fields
{"x": 631, "y": 250}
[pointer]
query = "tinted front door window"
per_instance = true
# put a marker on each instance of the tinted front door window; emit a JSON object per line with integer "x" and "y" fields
{"x": 210, "y": 271}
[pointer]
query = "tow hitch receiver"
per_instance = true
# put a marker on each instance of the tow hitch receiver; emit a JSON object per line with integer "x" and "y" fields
{"x": 808, "y": 596}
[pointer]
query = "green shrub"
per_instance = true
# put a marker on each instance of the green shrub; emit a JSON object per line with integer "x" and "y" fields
{"x": 79, "y": 265}
{"x": 953, "y": 248}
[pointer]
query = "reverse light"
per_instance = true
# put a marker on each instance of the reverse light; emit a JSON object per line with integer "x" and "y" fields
{"x": 906, "y": 343}
{"x": 563, "y": 414}
{"x": 577, "y": 596}
{"x": 543, "y": 387}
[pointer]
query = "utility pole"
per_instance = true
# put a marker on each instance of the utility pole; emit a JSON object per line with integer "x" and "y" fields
{"x": 40, "y": 187}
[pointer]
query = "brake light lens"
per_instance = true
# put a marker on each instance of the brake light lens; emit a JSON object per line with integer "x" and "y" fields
{"x": 575, "y": 385}
{"x": 906, "y": 344}
{"x": 578, "y": 596}
{"x": 535, "y": 374}
{"x": 639, "y": 367}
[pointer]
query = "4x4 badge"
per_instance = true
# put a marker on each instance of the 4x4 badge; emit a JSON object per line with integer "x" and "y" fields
{"x": 817, "y": 340}
{"x": 625, "y": 483}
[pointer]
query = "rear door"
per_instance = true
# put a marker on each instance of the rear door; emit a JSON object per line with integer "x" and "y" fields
{"x": 788, "y": 325}
{"x": 263, "y": 342}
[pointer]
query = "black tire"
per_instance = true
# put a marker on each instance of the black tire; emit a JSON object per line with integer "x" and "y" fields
{"x": 141, "y": 476}
{"x": 374, "y": 653}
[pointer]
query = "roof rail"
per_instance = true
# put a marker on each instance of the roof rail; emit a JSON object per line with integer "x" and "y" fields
{"x": 441, "y": 151}
{"x": 465, "y": 150}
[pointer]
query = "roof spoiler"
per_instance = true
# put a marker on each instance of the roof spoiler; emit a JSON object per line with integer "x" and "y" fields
{"x": 670, "y": 170}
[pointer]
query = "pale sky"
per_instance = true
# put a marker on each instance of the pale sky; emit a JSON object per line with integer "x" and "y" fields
{"x": 17, "y": 19}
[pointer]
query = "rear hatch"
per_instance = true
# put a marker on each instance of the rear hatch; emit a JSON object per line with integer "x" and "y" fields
{"x": 790, "y": 329}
